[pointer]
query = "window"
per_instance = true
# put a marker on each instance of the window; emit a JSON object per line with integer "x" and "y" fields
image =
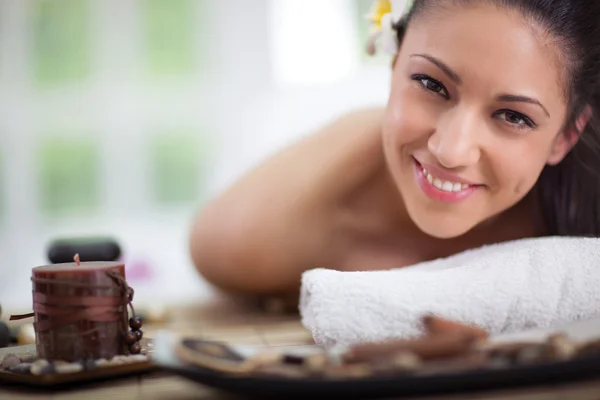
{"x": 69, "y": 175}
{"x": 169, "y": 36}
{"x": 313, "y": 41}
{"x": 176, "y": 161}
{"x": 62, "y": 48}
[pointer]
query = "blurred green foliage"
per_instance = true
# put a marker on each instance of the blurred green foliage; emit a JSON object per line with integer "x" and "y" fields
{"x": 169, "y": 28}
{"x": 62, "y": 50}
{"x": 69, "y": 175}
{"x": 176, "y": 162}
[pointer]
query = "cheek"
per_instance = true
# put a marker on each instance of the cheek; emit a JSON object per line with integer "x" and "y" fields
{"x": 526, "y": 179}
{"x": 407, "y": 121}
{"x": 517, "y": 171}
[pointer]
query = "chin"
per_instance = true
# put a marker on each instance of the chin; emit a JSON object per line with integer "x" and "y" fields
{"x": 441, "y": 226}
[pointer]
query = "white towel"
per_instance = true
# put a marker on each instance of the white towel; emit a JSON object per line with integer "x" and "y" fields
{"x": 504, "y": 288}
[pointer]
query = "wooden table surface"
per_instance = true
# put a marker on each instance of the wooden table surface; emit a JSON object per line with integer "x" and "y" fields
{"x": 233, "y": 323}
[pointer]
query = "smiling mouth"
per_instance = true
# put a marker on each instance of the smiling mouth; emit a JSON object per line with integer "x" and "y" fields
{"x": 444, "y": 185}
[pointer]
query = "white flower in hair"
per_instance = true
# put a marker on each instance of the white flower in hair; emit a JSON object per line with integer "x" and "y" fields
{"x": 384, "y": 14}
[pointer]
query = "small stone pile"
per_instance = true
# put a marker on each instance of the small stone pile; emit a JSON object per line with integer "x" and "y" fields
{"x": 445, "y": 347}
{"x": 30, "y": 365}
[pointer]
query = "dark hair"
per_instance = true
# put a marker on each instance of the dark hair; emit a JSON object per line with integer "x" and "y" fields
{"x": 569, "y": 192}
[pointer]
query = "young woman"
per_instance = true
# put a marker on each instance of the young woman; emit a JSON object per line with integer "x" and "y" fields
{"x": 489, "y": 135}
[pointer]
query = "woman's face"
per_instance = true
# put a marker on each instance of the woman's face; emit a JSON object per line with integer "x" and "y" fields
{"x": 475, "y": 113}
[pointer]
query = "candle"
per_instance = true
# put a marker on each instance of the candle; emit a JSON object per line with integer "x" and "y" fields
{"x": 80, "y": 310}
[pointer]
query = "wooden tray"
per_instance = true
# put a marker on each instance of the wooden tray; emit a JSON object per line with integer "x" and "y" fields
{"x": 461, "y": 382}
{"x": 467, "y": 382}
{"x": 85, "y": 376}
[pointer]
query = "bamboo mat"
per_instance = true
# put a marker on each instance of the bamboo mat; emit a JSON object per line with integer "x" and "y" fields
{"x": 233, "y": 323}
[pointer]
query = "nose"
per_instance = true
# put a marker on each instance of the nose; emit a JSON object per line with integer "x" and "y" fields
{"x": 455, "y": 140}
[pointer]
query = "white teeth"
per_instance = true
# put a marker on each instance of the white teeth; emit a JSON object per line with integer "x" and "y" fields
{"x": 446, "y": 186}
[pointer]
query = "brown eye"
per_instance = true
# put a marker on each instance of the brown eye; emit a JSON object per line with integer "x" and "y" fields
{"x": 431, "y": 85}
{"x": 516, "y": 119}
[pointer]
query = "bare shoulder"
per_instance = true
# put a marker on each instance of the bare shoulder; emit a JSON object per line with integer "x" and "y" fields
{"x": 335, "y": 152}
{"x": 360, "y": 120}
{"x": 354, "y": 127}
{"x": 349, "y": 148}
{"x": 267, "y": 228}
{"x": 351, "y": 131}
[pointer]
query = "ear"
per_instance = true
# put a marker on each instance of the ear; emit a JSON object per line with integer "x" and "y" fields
{"x": 567, "y": 139}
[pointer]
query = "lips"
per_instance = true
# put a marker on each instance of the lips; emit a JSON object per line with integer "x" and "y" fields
{"x": 444, "y": 175}
{"x": 442, "y": 186}
{"x": 445, "y": 185}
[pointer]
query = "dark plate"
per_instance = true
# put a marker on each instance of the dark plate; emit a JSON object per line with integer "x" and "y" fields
{"x": 468, "y": 382}
{"x": 581, "y": 369}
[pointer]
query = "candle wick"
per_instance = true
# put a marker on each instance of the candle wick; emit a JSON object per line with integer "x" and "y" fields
{"x": 76, "y": 258}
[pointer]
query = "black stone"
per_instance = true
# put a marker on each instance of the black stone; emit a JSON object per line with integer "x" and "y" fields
{"x": 14, "y": 334}
{"x": 48, "y": 369}
{"x": 4, "y": 335}
{"x": 22, "y": 368}
{"x": 89, "y": 364}
{"x": 294, "y": 360}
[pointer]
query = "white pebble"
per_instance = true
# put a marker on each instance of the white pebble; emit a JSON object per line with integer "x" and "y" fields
{"x": 406, "y": 361}
{"x": 35, "y": 370}
{"x": 316, "y": 362}
{"x": 102, "y": 362}
{"x": 138, "y": 358}
{"x": 118, "y": 360}
{"x": 9, "y": 360}
{"x": 40, "y": 363}
{"x": 38, "y": 366}
{"x": 69, "y": 368}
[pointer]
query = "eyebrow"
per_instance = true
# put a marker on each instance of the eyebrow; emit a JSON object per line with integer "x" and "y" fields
{"x": 456, "y": 78}
{"x": 446, "y": 69}
{"x": 523, "y": 99}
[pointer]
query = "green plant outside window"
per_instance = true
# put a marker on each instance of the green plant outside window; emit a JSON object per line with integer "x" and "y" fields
{"x": 69, "y": 176}
{"x": 62, "y": 47}
{"x": 177, "y": 162}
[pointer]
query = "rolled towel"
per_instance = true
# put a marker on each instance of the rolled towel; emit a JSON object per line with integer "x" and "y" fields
{"x": 503, "y": 288}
